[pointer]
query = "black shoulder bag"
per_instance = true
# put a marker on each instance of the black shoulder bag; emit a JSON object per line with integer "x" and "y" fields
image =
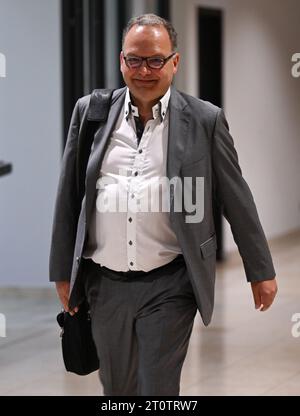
{"x": 78, "y": 347}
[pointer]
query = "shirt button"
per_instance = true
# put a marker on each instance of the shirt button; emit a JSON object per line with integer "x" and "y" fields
{"x": 136, "y": 173}
{"x": 140, "y": 151}
{"x": 132, "y": 195}
{"x": 130, "y": 243}
{"x": 131, "y": 264}
{"x": 130, "y": 219}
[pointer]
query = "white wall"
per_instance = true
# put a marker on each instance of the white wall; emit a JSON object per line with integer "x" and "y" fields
{"x": 30, "y": 136}
{"x": 261, "y": 98}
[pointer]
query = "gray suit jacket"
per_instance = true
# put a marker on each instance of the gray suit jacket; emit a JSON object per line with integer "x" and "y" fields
{"x": 200, "y": 145}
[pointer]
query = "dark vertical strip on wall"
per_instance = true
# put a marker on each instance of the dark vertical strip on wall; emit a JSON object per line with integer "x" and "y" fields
{"x": 163, "y": 9}
{"x": 210, "y": 56}
{"x": 97, "y": 44}
{"x": 211, "y": 80}
{"x": 124, "y": 14}
{"x": 72, "y": 49}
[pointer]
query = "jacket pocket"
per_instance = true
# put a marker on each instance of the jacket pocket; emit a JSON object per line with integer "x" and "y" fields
{"x": 209, "y": 246}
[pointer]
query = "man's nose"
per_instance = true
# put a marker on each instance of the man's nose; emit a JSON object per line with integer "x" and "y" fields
{"x": 144, "y": 69}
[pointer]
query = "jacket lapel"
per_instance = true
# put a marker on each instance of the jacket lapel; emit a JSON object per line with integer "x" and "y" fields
{"x": 101, "y": 139}
{"x": 178, "y": 136}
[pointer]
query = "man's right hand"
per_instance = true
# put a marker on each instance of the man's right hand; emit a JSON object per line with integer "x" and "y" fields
{"x": 63, "y": 290}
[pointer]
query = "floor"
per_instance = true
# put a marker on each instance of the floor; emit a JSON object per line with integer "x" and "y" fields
{"x": 242, "y": 352}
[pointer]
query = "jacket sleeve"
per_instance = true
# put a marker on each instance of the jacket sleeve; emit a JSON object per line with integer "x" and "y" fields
{"x": 65, "y": 212}
{"x": 238, "y": 206}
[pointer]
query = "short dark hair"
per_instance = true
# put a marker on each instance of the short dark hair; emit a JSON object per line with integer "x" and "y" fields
{"x": 152, "y": 20}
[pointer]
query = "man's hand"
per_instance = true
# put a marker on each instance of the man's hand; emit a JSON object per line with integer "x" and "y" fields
{"x": 264, "y": 293}
{"x": 63, "y": 289}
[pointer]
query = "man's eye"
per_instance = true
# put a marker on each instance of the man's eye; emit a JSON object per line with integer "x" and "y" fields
{"x": 133, "y": 61}
{"x": 156, "y": 61}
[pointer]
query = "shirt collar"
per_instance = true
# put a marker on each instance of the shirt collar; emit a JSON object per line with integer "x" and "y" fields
{"x": 158, "y": 110}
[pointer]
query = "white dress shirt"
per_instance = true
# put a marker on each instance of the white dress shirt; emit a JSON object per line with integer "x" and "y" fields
{"x": 130, "y": 224}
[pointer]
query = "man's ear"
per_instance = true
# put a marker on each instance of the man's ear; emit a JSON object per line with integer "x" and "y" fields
{"x": 121, "y": 60}
{"x": 176, "y": 60}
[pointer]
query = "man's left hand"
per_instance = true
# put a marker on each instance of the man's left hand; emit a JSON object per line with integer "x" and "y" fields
{"x": 264, "y": 293}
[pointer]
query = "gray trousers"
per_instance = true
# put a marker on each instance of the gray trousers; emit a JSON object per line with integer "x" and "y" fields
{"x": 141, "y": 325}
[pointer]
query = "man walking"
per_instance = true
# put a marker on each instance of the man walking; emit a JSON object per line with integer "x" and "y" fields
{"x": 146, "y": 272}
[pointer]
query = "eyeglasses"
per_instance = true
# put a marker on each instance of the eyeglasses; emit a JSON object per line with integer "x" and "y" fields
{"x": 153, "y": 62}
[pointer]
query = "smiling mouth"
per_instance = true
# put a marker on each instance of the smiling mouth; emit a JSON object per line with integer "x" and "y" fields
{"x": 145, "y": 80}
{"x": 145, "y": 83}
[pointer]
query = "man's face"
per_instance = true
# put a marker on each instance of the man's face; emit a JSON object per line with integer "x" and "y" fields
{"x": 147, "y": 84}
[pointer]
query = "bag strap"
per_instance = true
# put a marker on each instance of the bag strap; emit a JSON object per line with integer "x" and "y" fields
{"x": 96, "y": 114}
